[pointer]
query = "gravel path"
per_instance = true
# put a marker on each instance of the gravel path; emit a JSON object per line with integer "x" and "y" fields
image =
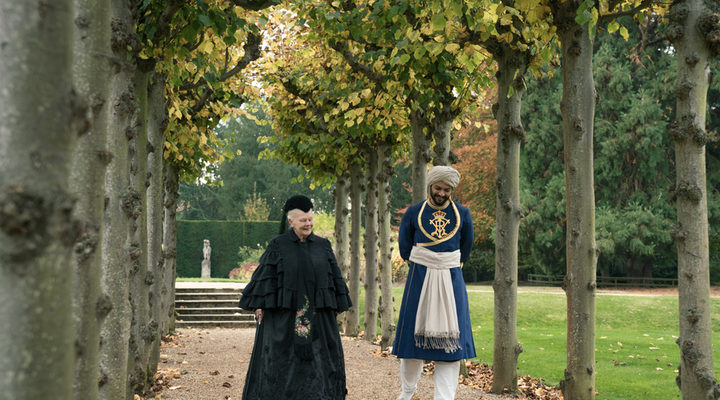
{"x": 210, "y": 364}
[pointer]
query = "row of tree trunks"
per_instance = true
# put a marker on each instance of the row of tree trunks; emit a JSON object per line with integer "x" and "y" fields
{"x": 377, "y": 241}
{"x": 511, "y": 70}
{"x": 83, "y": 324}
{"x": 385, "y": 267}
{"x": 689, "y": 22}
{"x": 87, "y": 183}
{"x": 37, "y": 134}
{"x": 116, "y": 249}
{"x": 693, "y": 30}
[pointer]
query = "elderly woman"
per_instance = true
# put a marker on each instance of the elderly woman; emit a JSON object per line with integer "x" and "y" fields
{"x": 296, "y": 292}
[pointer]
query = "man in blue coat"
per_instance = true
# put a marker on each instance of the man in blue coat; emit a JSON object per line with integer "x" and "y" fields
{"x": 436, "y": 237}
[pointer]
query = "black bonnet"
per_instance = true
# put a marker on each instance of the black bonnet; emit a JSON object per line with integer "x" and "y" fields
{"x": 300, "y": 202}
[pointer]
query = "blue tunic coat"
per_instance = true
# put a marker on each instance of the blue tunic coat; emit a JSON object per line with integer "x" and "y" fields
{"x": 452, "y": 233}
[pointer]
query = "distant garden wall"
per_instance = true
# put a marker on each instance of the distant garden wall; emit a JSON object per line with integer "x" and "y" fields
{"x": 225, "y": 238}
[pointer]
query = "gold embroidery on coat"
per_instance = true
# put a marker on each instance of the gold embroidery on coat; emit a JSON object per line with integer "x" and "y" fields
{"x": 439, "y": 222}
{"x": 447, "y": 236}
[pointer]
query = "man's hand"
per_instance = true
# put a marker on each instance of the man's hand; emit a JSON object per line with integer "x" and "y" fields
{"x": 259, "y": 315}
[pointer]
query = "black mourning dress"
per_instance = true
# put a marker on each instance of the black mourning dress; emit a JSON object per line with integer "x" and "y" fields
{"x": 297, "y": 352}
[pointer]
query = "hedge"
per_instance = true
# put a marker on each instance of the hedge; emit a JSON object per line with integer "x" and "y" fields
{"x": 225, "y": 237}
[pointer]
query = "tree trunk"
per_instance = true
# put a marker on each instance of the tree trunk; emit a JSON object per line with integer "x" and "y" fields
{"x": 578, "y": 109}
{"x": 38, "y": 110}
{"x": 91, "y": 71}
{"x": 352, "y": 327}
{"x": 157, "y": 122}
{"x": 689, "y": 25}
{"x": 386, "y": 309}
{"x": 421, "y": 156}
{"x": 170, "y": 185}
{"x": 508, "y": 211}
{"x": 441, "y": 133}
{"x": 139, "y": 293}
{"x": 371, "y": 245}
{"x": 342, "y": 233}
{"x": 116, "y": 249}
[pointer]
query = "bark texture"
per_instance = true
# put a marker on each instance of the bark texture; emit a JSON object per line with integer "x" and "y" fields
{"x": 352, "y": 327}
{"x": 156, "y": 124}
{"x": 578, "y": 110}
{"x": 441, "y": 126}
{"x": 90, "y": 157}
{"x": 140, "y": 334}
{"x": 371, "y": 245}
{"x": 694, "y": 33}
{"x": 386, "y": 308}
{"x": 421, "y": 156}
{"x": 120, "y": 205}
{"x": 37, "y": 132}
{"x": 342, "y": 231}
{"x": 508, "y": 212}
{"x": 170, "y": 188}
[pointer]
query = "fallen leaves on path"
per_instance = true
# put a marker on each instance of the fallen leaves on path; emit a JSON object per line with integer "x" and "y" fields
{"x": 162, "y": 381}
{"x": 164, "y": 376}
{"x": 170, "y": 341}
{"x": 480, "y": 376}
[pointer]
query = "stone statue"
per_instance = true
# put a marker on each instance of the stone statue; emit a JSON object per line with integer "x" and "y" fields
{"x": 205, "y": 272}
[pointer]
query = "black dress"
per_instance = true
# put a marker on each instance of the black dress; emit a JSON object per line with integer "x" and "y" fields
{"x": 297, "y": 353}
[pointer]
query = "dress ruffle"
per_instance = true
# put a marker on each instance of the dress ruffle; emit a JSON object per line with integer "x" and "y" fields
{"x": 272, "y": 286}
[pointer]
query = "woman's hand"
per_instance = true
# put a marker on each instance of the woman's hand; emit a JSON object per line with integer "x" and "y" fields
{"x": 259, "y": 315}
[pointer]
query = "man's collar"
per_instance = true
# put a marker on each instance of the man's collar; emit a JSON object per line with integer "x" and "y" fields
{"x": 431, "y": 203}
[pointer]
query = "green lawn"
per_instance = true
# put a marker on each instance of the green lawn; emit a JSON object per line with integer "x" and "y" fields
{"x": 636, "y": 355}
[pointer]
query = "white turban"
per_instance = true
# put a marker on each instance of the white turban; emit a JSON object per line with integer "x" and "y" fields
{"x": 439, "y": 173}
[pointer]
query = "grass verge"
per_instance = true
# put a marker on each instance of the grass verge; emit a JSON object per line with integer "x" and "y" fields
{"x": 636, "y": 356}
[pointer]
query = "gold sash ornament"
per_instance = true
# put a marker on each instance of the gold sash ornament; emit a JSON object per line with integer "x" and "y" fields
{"x": 440, "y": 223}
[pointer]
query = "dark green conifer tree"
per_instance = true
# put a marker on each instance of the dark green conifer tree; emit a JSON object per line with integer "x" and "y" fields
{"x": 634, "y": 170}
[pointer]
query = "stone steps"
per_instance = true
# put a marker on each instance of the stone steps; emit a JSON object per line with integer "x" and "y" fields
{"x": 208, "y": 307}
{"x": 204, "y": 295}
{"x": 207, "y": 303}
{"x": 240, "y": 317}
{"x": 214, "y": 324}
{"x": 211, "y": 310}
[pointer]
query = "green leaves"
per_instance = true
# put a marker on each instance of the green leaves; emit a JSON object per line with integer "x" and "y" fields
{"x": 205, "y": 20}
{"x": 624, "y": 32}
{"x": 402, "y": 59}
{"x": 614, "y": 26}
{"x": 585, "y": 12}
{"x": 438, "y": 22}
{"x": 198, "y": 47}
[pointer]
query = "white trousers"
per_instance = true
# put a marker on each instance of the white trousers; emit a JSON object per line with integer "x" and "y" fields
{"x": 445, "y": 378}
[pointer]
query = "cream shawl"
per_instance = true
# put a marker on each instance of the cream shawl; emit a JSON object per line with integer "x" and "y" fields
{"x": 436, "y": 322}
